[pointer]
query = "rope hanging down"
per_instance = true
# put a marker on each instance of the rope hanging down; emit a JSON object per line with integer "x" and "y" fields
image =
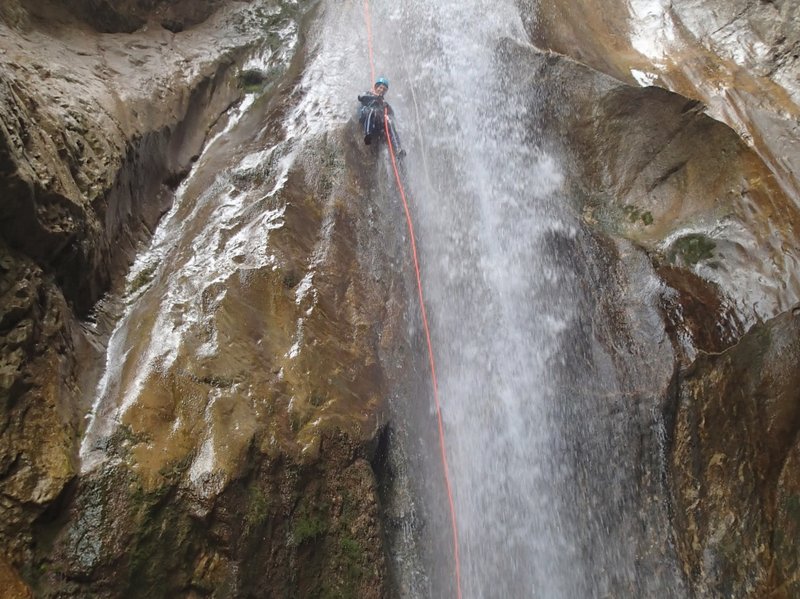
{"x": 435, "y": 383}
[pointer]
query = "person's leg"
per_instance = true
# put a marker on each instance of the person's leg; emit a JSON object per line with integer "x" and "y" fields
{"x": 369, "y": 126}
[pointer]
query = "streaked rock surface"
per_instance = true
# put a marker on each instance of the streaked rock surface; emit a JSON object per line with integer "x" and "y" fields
{"x": 102, "y": 117}
{"x": 231, "y": 447}
{"x": 739, "y": 58}
{"x": 715, "y": 210}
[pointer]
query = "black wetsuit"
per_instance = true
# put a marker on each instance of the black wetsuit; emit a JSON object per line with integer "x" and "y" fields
{"x": 371, "y": 114}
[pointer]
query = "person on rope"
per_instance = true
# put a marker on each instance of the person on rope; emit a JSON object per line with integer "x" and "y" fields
{"x": 372, "y": 112}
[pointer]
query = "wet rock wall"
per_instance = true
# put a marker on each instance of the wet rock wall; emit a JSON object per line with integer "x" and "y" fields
{"x": 242, "y": 470}
{"x": 96, "y": 132}
{"x": 713, "y": 209}
{"x": 248, "y": 470}
{"x": 740, "y": 59}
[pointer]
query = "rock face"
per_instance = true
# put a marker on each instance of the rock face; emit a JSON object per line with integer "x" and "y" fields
{"x": 739, "y": 58}
{"x": 97, "y": 131}
{"x": 717, "y": 221}
{"x": 116, "y": 17}
{"x": 230, "y": 449}
{"x": 231, "y": 445}
{"x": 81, "y": 133}
{"x": 734, "y": 465}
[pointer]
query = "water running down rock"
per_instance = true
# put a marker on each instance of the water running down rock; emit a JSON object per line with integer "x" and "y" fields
{"x": 610, "y": 276}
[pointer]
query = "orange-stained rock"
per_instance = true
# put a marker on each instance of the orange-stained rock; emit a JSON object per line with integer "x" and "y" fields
{"x": 739, "y": 58}
{"x": 734, "y": 465}
{"x": 12, "y": 585}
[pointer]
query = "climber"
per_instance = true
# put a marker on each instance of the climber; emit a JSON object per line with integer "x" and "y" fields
{"x": 372, "y": 112}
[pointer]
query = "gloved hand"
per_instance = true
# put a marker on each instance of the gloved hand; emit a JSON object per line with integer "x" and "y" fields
{"x": 401, "y": 153}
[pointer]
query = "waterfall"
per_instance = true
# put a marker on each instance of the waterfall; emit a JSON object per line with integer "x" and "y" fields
{"x": 544, "y": 465}
{"x": 485, "y": 203}
{"x": 544, "y": 472}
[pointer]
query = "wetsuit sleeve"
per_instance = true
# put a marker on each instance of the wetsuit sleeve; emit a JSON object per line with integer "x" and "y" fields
{"x": 369, "y": 99}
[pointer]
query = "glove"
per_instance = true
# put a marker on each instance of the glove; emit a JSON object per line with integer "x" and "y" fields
{"x": 401, "y": 153}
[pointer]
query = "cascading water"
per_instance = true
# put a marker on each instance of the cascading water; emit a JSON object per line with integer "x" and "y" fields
{"x": 484, "y": 207}
{"x": 545, "y": 472}
{"x": 542, "y": 470}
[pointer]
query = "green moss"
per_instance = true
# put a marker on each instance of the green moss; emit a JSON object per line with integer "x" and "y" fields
{"x": 350, "y": 562}
{"x": 635, "y": 214}
{"x": 143, "y": 278}
{"x": 351, "y": 548}
{"x": 159, "y": 552}
{"x": 258, "y": 507}
{"x": 308, "y": 528}
{"x": 692, "y": 249}
{"x": 352, "y": 551}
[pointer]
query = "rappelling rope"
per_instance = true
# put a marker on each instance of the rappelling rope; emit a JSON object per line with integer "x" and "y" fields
{"x": 435, "y": 383}
{"x": 368, "y": 22}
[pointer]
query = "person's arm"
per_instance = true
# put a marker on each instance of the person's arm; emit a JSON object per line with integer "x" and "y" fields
{"x": 368, "y": 99}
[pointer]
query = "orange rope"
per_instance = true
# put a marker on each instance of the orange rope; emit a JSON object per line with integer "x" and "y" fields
{"x": 368, "y": 21}
{"x": 435, "y": 383}
{"x": 430, "y": 358}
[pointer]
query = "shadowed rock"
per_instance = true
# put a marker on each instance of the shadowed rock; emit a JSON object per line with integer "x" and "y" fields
{"x": 735, "y": 465}
{"x": 115, "y": 16}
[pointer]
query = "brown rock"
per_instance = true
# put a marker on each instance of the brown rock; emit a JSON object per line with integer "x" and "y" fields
{"x": 734, "y": 465}
{"x": 95, "y": 133}
{"x": 650, "y": 167}
{"x": 739, "y": 58}
{"x": 12, "y": 585}
{"x": 114, "y": 16}
{"x": 238, "y": 460}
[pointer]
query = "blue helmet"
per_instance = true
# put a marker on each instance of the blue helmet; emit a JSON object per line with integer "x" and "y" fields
{"x": 382, "y": 81}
